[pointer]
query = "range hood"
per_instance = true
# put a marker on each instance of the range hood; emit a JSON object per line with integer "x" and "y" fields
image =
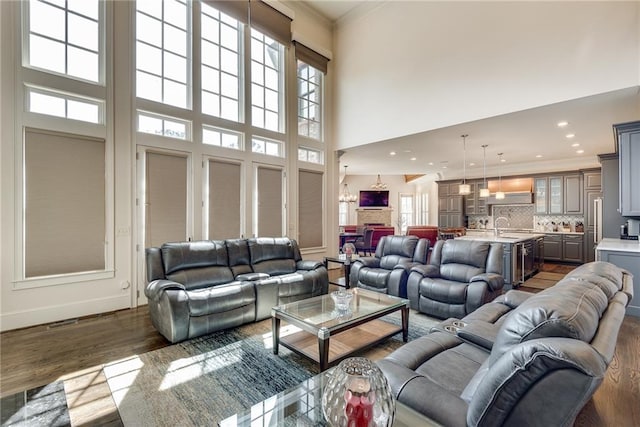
{"x": 511, "y": 199}
{"x": 517, "y": 191}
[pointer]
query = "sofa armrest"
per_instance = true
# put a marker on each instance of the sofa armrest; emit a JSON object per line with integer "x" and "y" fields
{"x": 368, "y": 261}
{"x": 406, "y": 265}
{"x": 480, "y": 333}
{"x": 514, "y": 298}
{"x": 427, "y": 270}
{"x": 495, "y": 281}
{"x": 249, "y": 277}
{"x": 154, "y": 289}
{"x": 308, "y": 264}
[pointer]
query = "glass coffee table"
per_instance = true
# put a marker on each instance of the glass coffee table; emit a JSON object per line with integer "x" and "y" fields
{"x": 302, "y": 406}
{"x": 326, "y": 335}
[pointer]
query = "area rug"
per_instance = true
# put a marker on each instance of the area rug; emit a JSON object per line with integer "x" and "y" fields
{"x": 41, "y": 406}
{"x": 205, "y": 380}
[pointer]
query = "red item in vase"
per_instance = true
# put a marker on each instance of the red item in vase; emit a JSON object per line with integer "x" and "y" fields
{"x": 359, "y": 410}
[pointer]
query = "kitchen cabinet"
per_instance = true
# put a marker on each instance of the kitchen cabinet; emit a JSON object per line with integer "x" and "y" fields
{"x": 564, "y": 247}
{"x": 553, "y": 247}
{"x": 572, "y": 195}
{"x": 473, "y": 203}
{"x": 558, "y": 195}
{"x": 611, "y": 218}
{"x": 628, "y": 136}
{"x": 450, "y": 205}
{"x": 538, "y": 253}
{"x": 507, "y": 264}
{"x": 572, "y": 248}
{"x": 592, "y": 191}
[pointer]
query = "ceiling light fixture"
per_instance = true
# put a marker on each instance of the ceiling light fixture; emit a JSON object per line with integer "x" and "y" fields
{"x": 346, "y": 196}
{"x": 464, "y": 189}
{"x": 570, "y": 135}
{"x": 500, "y": 193}
{"x": 484, "y": 192}
{"x": 562, "y": 124}
{"x": 379, "y": 185}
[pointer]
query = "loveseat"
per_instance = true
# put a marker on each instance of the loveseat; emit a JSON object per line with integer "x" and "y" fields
{"x": 461, "y": 276}
{"x": 195, "y": 288}
{"x": 523, "y": 359}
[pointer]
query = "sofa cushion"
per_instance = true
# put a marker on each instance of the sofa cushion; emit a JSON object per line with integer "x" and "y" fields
{"x": 396, "y": 249}
{"x": 606, "y": 276}
{"x": 443, "y": 290}
{"x": 239, "y": 257}
{"x": 462, "y": 260}
{"x": 572, "y": 310}
{"x": 220, "y": 298}
{"x": 273, "y": 256}
{"x": 196, "y": 264}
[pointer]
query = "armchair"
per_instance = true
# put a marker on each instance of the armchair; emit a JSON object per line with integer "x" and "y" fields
{"x": 388, "y": 270}
{"x": 461, "y": 276}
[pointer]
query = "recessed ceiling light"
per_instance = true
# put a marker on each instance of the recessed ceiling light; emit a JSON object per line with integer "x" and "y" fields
{"x": 502, "y": 160}
{"x": 562, "y": 124}
{"x": 430, "y": 163}
{"x": 570, "y": 135}
{"x": 539, "y": 155}
{"x": 393, "y": 153}
{"x": 472, "y": 164}
{"x": 575, "y": 145}
{"x": 444, "y": 167}
{"x": 407, "y": 151}
{"x": 580, "y": 151}
{"x": 413, "y": 158}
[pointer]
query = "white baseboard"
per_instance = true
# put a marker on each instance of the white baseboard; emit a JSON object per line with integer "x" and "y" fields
{"x": 57, "y": 313}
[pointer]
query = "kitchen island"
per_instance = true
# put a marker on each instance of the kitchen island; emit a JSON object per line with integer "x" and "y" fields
{"x": 625, "y": 254}
{"x": 523, "y": 253}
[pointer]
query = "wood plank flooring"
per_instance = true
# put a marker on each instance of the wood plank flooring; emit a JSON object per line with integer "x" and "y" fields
{"x": 75, "y": 352}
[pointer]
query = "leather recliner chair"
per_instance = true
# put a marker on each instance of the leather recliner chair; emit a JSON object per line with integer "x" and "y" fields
{"x": 388, "y": 270}
{"x": 461, "y": 276}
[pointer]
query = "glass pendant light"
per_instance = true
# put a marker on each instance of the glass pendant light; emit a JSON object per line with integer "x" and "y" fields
{"x": 500, "y": 193}
{"x": 484, "y": 192}
{"x": 464, "y": 189}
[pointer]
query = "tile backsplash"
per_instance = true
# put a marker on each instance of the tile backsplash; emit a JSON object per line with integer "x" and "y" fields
{"x": 522, "y": 216}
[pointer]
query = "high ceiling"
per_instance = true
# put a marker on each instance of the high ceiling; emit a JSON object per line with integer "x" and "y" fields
{"x": 531, "y": 140}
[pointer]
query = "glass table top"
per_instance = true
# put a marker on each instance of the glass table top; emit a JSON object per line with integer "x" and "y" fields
{"x": 321, "y": 312}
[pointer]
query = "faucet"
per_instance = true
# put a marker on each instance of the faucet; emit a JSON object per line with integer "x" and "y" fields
{"x": 496, "y": 226}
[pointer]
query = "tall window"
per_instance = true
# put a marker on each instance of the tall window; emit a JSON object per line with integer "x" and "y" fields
{"x": 267, "y": 77}
{"x": 66, "y": 37}
{"x": 422, "y": 208}
{"x": 310, "y": 82}
{"x": 405, "y": 216}
{"x": 163, "y": 57}
{"x": 221, "y": 53}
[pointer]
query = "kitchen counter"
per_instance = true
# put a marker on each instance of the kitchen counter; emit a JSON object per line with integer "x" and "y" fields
{"x": 474, "y": 231}
{"x": 618, "y": 245}
{"x": 508, "y": 237}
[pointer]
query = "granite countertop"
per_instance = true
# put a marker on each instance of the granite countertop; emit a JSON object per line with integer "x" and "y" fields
{"x": 506, "y": 237}
{"x": 521, "y": 230}
{"x": 618, "y": 245}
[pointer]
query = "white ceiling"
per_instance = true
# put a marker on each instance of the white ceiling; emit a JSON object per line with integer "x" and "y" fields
{"x": 521, "y": 136}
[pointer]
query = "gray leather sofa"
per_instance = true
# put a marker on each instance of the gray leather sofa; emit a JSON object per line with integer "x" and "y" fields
{"x": 388, "y": 269}
{"x": 461, "y": 276}
{"x": 523, "y": 359}
{"x": 195, "y": 288}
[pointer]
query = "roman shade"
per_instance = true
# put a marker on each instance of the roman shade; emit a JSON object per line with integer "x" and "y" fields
{"x": 269, "y": 184}
{"x": 224, "y": 199}
{"x": 311, "y": 57}
{"x": 310, "y": 209}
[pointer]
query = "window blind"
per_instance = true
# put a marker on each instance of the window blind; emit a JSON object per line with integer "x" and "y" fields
{"x": 224, "y": 200}
{"x": 166, "y": 199}
{"x": 311, "y": 57}
{"x": 270, "y": 204}
{"x": 65, "y": 223}
{"x": 310, "y": 209}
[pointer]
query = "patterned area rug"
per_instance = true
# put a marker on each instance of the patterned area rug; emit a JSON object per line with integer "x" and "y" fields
{"x": 42, "y": 406}
{"x": 207, "y": 379}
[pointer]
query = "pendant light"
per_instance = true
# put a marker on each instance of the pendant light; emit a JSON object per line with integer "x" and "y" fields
{"x": 379, "y": 185}
{"x": 484, "y": 192}
{"x": 464, "y": 189}
{"x": 346, "y": 196}
{"x": 500, "y": 193}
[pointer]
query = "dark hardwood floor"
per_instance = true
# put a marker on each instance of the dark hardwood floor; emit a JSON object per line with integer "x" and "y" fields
{"x": 74, "y": 352}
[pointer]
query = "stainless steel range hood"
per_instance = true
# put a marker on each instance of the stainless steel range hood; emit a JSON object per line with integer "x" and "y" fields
{"x": 511, "y": 199}
{"x": 518, "y": 191}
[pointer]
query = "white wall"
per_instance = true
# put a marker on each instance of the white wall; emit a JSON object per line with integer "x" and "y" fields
{"x": 411, "y": 66}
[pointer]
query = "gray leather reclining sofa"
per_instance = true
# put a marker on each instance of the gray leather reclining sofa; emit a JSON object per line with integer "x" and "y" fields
{"x": 195, "y": 288}
{"x": 522, "y": 360}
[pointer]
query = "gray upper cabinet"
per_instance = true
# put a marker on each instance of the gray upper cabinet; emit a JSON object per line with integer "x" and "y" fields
{"x": 450, "y": 205}
{"x": 629, "y": 150}
{"x": 573, "y": 195}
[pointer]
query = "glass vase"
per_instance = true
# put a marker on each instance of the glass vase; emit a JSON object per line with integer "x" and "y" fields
{"x": 358, "y": 395}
